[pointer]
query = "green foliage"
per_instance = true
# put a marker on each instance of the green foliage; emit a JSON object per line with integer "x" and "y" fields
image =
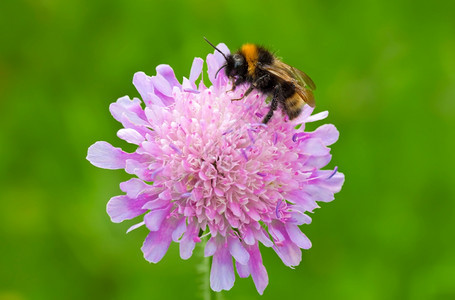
{"x": 384, "y": 69}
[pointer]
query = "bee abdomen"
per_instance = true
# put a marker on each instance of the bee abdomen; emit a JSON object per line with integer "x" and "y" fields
{"x": 293, "y": 105}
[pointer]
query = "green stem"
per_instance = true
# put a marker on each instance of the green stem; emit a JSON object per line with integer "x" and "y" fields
{"x": 204, "y": 271}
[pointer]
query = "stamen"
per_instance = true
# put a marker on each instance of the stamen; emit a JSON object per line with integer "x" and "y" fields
{"x": 175, "y": 148}
{"x": 277, "y": 212}
{"x": 229, "y": 131}
{"x": 181, "y": 128}
{"x": 330, "y": 176}
{"x": 154, "y": 173}
{"x": 334, "y": 172}
{"x": 261, "y": 174}
{"x": 244, "y": 154}
{"x": 250, "y": 135}
{"x": 193, "y": 91}
{"x": 297, "y": 135}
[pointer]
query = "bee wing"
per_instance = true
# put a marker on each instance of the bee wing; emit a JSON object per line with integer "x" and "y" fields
{"x": 307, "y": 95}
{"x": 304, "y": 78}
{"x": 303, "y": 83}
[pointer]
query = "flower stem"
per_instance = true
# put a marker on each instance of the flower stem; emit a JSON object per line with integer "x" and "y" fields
{"x": 204, "y": 269}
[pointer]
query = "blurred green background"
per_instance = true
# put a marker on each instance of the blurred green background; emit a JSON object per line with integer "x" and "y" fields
{"x": 384, "y": 69}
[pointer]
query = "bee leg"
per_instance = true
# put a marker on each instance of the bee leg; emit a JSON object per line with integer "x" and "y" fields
{"x": 252, "y": 86}
{"x": 247, "y": 92}
{"x": 273, "y": 105}
{"x": 236, "y": 82}
{"x": 233, "y": 87}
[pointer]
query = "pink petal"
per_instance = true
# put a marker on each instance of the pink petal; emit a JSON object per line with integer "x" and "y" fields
{"x": 327, "y": 133}
{"x": 152, "y": 148}
{"x": 196, "y": 69}
{"x": 253, "y": 214}
{"x": 242, "y": 270}
{"x": 130, "y": 135}
{"x": 165, "y": 195}
{"x": 143, "y": 84}
{"x": 316, "y": 161}
{"x": 317, "y": 117}
{"x": 187, "y": 243}
{"x": 155, "y": 115}
{"x": 297, "y": 237}
{"x": 313, "y": 147}
{"x": 299, "y": 218}
{"x": 129, "y": 113}
{"x": 104, "y": 155}
{"x": 302, "y": 199}
{"x": 302, "y": 118}
{"x": 140, "y": 169}
{"x": 275, "y": 232}
{"x": 334, "y": 183}
{"x": 155, "y": 203}
{"x": 167, "y": 73}
{"x": 136, "y": 226}
{"x": 257, "y": 269}
{"x": 179, "y": 230}
{"x": 214, "y": 62}
{"x": 188, "y": 85}
{"x": 210, "y": 247}
{"x": 155, "y": 218}
{"x": 157, "y": 242}
{"x": 318, "y": 193}
{"x": 222, "y": 275}
{"x": 235, "y": 208}
{"x": 164, "y": 83}
{"x": 262, "y": 236}
{"x": 121, "y": 208}
{"x": 290, "y": 253}
{"x": 237, "y": 250}
{"x": 134, "y": 187}
{"x": 248, "y": 235}
{"x": 161, "y": 85}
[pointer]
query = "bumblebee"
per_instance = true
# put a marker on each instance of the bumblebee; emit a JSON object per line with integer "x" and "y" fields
{"x": 288, "y": 87}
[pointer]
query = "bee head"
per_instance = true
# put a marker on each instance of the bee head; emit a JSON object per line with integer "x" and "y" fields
{"x": 236, "y": 65}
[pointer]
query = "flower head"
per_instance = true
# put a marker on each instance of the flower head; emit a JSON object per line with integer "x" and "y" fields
{"x": 208, "y": 167}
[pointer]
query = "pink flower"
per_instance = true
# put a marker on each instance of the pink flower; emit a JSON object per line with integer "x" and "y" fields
{"x": 207, "y": 166}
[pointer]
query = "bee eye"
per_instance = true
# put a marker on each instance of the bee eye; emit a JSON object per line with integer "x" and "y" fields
{"x": 238, "y": 60}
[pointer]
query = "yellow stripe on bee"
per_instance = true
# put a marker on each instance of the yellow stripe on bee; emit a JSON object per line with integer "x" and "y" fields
{"x": 293, "y": 103}
{"x": 250, "y": 51}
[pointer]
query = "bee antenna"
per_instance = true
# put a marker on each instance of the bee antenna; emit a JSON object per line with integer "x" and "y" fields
{"x": 223, "y": 66}
{"x": 215, "y": 47}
